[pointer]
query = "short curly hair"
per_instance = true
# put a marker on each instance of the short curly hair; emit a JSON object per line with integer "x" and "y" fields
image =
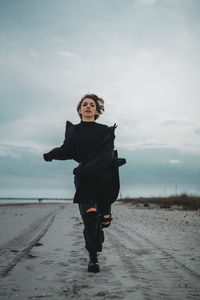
{"x": 99, "y": 104}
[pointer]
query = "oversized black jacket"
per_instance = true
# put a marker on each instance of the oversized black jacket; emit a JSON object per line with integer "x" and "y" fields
{"x": 99, "y": 170}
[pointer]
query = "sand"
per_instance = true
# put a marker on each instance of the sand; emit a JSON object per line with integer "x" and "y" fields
{"x": 147, "y": 254}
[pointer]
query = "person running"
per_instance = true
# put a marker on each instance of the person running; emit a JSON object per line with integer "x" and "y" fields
{"x": 96, "y": 177}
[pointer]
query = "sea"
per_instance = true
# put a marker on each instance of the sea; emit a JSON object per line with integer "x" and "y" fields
{"x": 33, "y": 200}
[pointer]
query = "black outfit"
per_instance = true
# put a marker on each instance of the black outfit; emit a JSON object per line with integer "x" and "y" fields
{"x": 96, "y": 178}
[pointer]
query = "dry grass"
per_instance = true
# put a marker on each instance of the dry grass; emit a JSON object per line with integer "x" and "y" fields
{"x": 185, "y": 201}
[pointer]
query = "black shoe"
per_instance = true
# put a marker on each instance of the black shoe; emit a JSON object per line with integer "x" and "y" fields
{"x": 93, "y": 265}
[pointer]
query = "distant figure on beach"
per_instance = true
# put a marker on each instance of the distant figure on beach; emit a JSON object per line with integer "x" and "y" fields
{"x": 96, "y": 177}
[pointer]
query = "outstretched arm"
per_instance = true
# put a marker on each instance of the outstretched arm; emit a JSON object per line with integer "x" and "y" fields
{"x": 66, "y": 150}
{"x": 61, "y": 153}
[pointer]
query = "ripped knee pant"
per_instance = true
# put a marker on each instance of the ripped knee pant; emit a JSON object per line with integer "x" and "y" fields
{"x": 106, "y": 220}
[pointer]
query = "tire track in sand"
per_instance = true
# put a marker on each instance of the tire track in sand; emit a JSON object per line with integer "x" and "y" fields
{"x": 148, "y": 269}
{"x": 15, "y": 249}
{"x": 178, "y": 262}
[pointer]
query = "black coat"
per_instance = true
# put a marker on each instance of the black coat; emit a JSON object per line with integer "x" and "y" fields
{"x": 99, "y": 171}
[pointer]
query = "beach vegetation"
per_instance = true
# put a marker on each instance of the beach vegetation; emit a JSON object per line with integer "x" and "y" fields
{"x": 183, "y": 201}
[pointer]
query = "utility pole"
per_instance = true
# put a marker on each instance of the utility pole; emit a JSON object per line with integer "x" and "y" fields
{"x": 176, "y": 190}
{"x": 164, "y": 191}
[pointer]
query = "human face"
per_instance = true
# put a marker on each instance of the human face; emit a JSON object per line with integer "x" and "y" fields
{"x": 88, "y": 110}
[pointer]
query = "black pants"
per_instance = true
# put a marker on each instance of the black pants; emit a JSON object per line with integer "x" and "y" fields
{"x": 93, "y": 232}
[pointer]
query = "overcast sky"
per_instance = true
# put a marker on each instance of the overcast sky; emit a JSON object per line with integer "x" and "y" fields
{"x": 141, "y": 56}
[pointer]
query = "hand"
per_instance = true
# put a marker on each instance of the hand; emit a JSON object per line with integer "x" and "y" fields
{"x": 47, "y": 157}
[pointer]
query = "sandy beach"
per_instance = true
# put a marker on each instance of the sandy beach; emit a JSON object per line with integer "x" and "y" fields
{"x": 148, "y": 254}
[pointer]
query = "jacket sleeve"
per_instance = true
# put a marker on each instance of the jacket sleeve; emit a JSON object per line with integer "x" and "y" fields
{"x": 67, "y": 149}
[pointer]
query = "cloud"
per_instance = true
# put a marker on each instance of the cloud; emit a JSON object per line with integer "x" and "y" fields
{"x": 5, "y": 152}
{"x": 148, "y": 2}
{"x": 2, "y": 36}
{"x": 67, "y": 54}
{"x": 197, "y": 131}
{"x": 149, "y": 80}
{"x": 177, "y": 121}
{"x": 174, "y": 161}
{"x": 13, "y": 149}
{"x": 34, "y": 54}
